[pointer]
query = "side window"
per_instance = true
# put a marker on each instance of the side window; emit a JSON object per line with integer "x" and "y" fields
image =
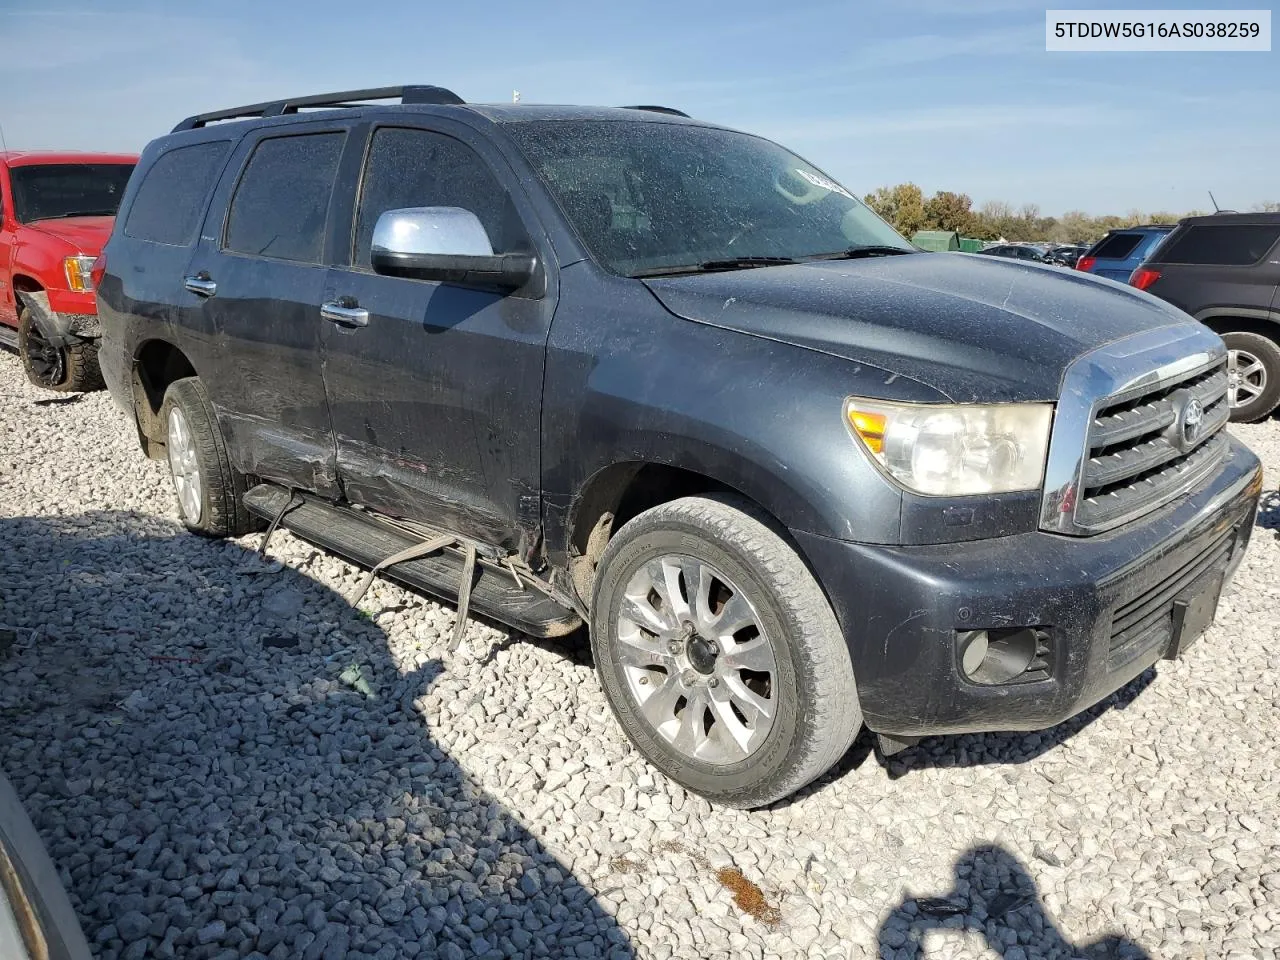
{"x": 170, "y": 200}
{"x": 282, "y": 200}
{"x": 419, "y": 168}
{"x": 1227, "y": 244}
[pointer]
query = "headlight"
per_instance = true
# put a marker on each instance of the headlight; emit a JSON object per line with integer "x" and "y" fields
{"x": 78, "y": 270}
{"x": 947, "y": 450}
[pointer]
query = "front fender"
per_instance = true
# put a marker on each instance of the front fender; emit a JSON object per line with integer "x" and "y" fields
{"x": 629, "y": 382}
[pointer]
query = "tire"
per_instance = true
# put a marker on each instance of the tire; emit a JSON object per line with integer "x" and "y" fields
{"x": 1255, "y": 359}
{"x": 728, "y": 750}
{"x": 71, "y": 369}
{"x": 209, "y": 490}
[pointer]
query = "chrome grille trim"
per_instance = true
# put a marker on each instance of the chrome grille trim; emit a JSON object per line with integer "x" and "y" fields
{"x": 1112, "y": 376}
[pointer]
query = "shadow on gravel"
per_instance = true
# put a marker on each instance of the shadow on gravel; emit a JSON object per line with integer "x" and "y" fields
{"x": 177, "y": 723}
{"x": 995, "y": 897}
{"x": 969, "y": 750}
{"x": 1269, "y": 511}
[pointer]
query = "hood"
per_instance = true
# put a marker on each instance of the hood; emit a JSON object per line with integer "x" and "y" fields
{"x": 87, "y": 234}
{"x": 977, "y": 329}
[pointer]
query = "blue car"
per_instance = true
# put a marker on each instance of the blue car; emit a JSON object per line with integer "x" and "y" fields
{"x": 1122, "y": 251}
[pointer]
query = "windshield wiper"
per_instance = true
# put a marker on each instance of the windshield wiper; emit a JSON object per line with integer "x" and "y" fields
{"x": 74, "y": 213}
{"x": 712, "y": 266}
{"x": 863, "y": 250}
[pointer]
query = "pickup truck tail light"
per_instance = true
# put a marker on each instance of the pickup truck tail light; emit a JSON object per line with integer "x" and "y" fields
{"x": 1143, "y": 278}
{"x": 99, "y": 268}
{"x": 1086, "y": 263}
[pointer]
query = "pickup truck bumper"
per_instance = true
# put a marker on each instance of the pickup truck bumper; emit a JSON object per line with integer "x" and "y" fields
{"x": 906, "y": 611}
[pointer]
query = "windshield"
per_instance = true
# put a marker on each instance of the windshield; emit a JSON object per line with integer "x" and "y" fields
{"x": 651, "y": 197}
{"x": 55, "y": 190}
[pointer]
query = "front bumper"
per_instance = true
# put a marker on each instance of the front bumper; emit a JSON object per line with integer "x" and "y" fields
{"x": 902, "y": 608}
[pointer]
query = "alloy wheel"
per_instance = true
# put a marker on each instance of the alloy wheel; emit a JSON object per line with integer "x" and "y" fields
{"x": 47, "y": 363}
{"x": 184, "y": 466}
{"x": 697, "y": 660}
{"x": 1246, "y": 378}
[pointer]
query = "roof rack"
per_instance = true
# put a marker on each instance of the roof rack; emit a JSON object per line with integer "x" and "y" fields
{"x": 346, "y": 98}
{"x": 656, "y": 109}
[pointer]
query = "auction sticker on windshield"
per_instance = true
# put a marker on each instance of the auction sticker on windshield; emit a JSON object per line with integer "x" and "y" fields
{"x": 1118, "y": 31}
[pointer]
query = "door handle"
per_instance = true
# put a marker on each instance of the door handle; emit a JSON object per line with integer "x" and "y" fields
{"x": 344, "y": 313}
{"x": 201, "y": 285}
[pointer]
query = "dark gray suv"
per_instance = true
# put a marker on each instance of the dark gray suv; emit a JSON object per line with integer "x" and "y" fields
{"x": 620, "y": 368}
{"x": 1224, "y": 270}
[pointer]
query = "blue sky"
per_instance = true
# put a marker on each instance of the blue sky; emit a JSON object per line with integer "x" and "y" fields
{"x": 953, "y": 95}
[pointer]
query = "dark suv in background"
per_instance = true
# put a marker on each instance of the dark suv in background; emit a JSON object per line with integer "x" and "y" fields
{"x": 621, "y": 368}
{"x": 1224, "y": 270}
{"x": 1121, "y": 252}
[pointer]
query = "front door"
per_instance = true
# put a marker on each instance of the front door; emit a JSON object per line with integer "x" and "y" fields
{"x": 436, "y": 401}
{"x": 255, "y": 284}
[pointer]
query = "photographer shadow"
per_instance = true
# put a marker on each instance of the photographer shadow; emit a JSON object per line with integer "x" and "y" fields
{"x": 995, "y": 897}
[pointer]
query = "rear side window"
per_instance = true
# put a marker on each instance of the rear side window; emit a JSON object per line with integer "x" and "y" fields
{"x": 281, "y": 203}
{"x": 170, "y": 200}
{"x": 1221, "y": 244}
{"x": 1118, "y": 246}
{"x": 419, "y": 168}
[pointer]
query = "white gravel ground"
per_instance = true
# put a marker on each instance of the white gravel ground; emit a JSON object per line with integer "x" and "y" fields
{"x": 173, "y": 715}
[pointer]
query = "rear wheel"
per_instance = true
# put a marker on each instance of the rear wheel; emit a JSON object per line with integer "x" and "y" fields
{"x": 719, "y": 654}
{"x": 69, "y": 369}
{"x": 1253, "y": 375}
{"x": 209, "y": 490}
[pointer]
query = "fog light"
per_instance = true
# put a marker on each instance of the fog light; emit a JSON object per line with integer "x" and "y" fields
{"x": 997, "y": 656}
{"x": 973, "y": 650}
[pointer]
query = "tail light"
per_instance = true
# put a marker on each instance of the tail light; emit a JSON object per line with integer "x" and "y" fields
{"x": 1086, "y": 263}
{"x": 1143, "y": 278}
{"x": 97, "y": 270}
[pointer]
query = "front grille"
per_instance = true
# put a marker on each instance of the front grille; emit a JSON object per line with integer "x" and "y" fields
{"x": 1146, "y": 622}
{"x": 1141, "y": 451}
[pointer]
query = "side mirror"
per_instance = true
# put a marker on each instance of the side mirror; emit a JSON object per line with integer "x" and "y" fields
{"x": 446, "y": 244}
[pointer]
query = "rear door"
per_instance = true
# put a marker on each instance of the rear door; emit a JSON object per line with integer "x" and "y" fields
{"x": 142, "y": 294}
{"x": 253, "y": 293}
{"x": 436, "y": 401}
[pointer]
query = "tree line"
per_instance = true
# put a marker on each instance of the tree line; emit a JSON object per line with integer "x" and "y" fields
{"x": 906, "y": 207}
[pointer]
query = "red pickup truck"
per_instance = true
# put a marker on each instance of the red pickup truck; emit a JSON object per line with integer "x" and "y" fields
{"x": 56, "y": 212}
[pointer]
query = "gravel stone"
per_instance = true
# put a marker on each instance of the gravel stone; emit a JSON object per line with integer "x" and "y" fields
{"x": 209, "y": 791}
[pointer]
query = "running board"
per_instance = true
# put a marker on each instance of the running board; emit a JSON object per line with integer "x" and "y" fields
{"x": 363, "y": 539}
{"x": 8, "y": 337}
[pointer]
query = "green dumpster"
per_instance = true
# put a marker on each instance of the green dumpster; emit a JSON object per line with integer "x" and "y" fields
{"x": 936, "y": 240}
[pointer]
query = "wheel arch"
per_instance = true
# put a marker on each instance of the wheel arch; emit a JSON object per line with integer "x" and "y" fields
{"x": 621, "y": 491}
{"x": 25, "y": 283}
{"x": 157, "y": 363}
{"x": 1222, "y": 320}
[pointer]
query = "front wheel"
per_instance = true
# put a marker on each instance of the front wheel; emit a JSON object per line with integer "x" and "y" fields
{"x": 719, "y": 654}
{"x": 1253, "y": 376}
{"x": 68, "y": 369}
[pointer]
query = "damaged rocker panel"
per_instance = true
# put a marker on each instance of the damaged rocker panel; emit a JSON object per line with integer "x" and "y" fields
{"x": 447, "y": 566}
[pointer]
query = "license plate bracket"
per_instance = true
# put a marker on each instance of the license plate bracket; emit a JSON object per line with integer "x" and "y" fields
{"x": 1193, "y": 612}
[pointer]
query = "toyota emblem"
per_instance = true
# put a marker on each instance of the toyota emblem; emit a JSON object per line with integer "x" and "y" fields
{"x": 1192, "y": 422}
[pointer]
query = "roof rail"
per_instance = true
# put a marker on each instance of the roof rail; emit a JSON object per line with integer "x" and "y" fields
{"x": 656, "y": 109}
{"x": 345, "y": 98}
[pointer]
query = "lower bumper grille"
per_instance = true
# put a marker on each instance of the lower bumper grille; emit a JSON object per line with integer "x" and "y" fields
{"x": 1146, "y": 622}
